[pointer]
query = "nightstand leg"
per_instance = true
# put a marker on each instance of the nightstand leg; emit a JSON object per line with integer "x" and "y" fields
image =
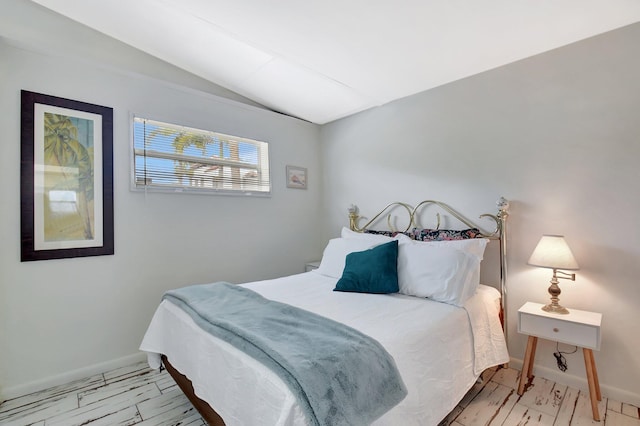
{"x": 594, "y": 385}
{"x": 527, "y": 366}
{"x": 533, "y": 357}
{"x": 595, "y": 375}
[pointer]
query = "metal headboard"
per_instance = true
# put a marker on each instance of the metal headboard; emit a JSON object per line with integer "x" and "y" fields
{"x": 499, "y": 233}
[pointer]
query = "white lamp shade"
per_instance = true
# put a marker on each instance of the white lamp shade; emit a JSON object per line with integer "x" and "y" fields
{"x": 553, "y": 252}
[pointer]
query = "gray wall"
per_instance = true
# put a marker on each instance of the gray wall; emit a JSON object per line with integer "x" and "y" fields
{"x": 557, "y": 134}
{"x": 60, "y": 319}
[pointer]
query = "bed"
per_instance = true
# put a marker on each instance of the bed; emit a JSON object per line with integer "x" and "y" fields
{"x": 439, "y": 339}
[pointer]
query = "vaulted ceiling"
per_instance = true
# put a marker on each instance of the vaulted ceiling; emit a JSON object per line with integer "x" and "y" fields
{"x": 324, "y": 60}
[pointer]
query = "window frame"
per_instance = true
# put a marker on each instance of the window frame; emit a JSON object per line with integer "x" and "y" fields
{"x": 263, "y": 167}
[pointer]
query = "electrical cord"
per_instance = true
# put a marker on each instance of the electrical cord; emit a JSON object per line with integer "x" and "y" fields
{"x": 560, "y": 359}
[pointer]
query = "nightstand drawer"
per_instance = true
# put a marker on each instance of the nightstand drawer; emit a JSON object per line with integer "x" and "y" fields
{"x": 559, "y": 330}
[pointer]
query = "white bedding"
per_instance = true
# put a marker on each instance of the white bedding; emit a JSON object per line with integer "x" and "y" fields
{"x": 432, "y": 343}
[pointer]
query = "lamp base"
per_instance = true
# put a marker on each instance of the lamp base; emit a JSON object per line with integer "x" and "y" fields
{"x": 554, "y": 291}
{"x": 556, "y": 309}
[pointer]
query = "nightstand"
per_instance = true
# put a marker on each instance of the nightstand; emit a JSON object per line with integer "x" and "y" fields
{"x": 310, "y": 266}
{"x": 578, "y": 328}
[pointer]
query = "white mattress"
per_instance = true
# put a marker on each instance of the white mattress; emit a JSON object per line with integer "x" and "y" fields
{"x": 439, "y": 349}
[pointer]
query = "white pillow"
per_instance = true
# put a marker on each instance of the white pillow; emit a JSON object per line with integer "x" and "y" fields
{"x": 377, "y": 238}
{"x": 445, "y": 271}
{"x": 336, "y": 251}
{"x": 474, "y": 246}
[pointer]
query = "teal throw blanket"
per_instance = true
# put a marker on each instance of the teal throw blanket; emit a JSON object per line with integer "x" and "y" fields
{"x": 339, "y": 375}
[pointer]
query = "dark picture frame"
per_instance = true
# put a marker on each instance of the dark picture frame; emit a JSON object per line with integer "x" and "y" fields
{"x": 66, "y": 186}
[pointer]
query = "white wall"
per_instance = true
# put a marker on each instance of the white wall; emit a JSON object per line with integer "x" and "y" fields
{"x": 557, "y": 134}
{"x": 64, "y": 318}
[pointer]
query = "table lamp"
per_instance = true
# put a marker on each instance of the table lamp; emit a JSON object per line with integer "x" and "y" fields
{"x": 553, "y": 252}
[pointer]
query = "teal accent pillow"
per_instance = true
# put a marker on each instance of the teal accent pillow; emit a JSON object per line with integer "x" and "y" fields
{"x": 371, "y": 271}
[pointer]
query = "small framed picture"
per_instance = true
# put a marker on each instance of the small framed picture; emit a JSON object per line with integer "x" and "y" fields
{"x": 296, "y": 177}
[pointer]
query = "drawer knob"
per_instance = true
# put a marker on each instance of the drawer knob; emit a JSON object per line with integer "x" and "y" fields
{"x": 556, "y": 329}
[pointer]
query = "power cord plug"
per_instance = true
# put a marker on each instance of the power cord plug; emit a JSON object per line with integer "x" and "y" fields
{"x": 560, "y": 359}
{"x": 562, "y": 362}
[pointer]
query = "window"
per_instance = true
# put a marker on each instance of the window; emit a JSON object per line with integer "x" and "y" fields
{"x": 177, "y": 158}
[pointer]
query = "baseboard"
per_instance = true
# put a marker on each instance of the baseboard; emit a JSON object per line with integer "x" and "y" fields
{"x": 578, "y": 382}
{"x": 69, "y": 376}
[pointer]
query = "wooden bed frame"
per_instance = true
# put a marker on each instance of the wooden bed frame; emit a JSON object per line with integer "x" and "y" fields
{"x": 499, "y": 233}
{"x": 205, "y": 410}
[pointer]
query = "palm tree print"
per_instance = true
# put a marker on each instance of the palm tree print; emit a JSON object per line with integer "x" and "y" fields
{"x": 68, "y": 171}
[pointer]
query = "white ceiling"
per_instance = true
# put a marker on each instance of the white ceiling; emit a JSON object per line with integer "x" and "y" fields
{"x": 324, "y": 60}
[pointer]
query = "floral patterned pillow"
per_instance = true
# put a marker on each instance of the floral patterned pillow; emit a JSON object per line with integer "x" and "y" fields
{"x": 444, "y": 234}
{"x": 391, "y": 234}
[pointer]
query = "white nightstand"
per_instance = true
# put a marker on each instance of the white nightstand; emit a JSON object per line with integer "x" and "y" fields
{"x": 310, "y": 266}
{"x": 579, "y": 328}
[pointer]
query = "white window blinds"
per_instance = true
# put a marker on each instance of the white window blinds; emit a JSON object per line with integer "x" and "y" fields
{"x": 177, "y": 158}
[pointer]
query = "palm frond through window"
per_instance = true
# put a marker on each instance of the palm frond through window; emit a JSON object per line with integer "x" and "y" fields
{"x": 170, "y": 157}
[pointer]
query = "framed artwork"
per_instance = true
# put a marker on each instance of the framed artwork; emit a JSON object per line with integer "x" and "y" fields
{"x": 66, "y": 194}
{"x": 296, "y": 177}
